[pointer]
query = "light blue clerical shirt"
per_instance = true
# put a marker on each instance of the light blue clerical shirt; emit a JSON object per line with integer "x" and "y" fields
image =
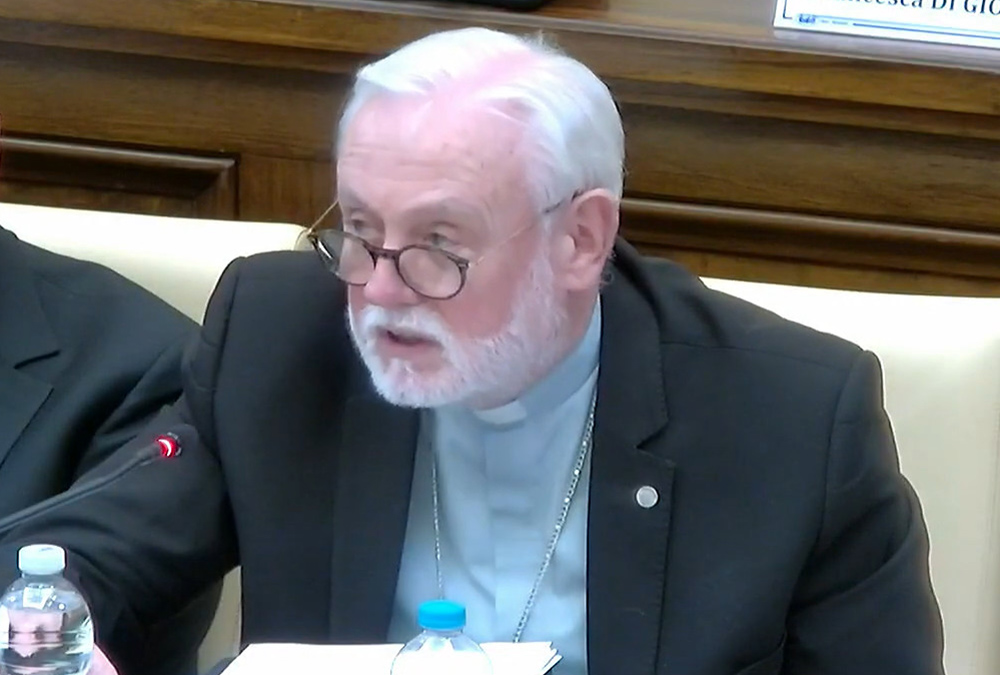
{"x": 502, "y": 477}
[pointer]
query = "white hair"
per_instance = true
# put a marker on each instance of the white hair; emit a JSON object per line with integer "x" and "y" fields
{"x": 573, "y": 128}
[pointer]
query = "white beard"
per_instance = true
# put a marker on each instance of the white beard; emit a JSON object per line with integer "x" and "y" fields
{"x": 481, "y": 372}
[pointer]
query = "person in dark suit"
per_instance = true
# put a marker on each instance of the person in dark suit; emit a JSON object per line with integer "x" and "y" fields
{"x": 87, "y": 359}
{"x": 477, "y": 390}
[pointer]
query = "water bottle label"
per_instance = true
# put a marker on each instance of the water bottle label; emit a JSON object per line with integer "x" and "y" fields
{"x": 37, "y": 598}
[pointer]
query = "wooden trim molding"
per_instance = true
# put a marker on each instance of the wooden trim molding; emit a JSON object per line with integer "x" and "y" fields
{"x": 661, "y": 226}
{"x": 208, "y": 183}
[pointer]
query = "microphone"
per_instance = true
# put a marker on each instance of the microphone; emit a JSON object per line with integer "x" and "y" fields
{"x": 165, "y": 446}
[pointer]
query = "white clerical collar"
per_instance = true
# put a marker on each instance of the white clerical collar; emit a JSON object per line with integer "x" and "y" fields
{"x": 503, "y": 415}
{"x": 566, "y": 378}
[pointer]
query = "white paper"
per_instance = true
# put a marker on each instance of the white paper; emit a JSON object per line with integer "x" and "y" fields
{"x": 963, "y": 22}
{"x": 522, "y": 658}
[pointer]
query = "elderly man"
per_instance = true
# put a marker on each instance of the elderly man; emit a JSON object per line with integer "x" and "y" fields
{"x": 483, "y": 393}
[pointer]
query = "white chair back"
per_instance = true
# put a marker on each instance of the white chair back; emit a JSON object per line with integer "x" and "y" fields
{"x": 178, "y": 259}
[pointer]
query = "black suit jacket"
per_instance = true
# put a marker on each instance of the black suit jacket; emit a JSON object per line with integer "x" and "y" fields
{"x": 785, "y": 539}
{"x": 87, "y": 359}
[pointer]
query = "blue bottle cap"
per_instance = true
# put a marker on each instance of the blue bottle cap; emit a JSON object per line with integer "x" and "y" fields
{"x": 441, "y": 615}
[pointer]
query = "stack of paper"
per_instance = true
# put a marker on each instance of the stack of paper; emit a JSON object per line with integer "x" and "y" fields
{"x": 522, "y": 658}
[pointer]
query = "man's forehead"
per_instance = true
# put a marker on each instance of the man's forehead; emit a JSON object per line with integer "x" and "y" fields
{"x": 430, "y": 128}
{"x": 407, "y": 144}
{"x": 431, "y": 203}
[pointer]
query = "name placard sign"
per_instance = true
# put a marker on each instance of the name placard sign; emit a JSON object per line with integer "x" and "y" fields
{"x": 964, "y": 22}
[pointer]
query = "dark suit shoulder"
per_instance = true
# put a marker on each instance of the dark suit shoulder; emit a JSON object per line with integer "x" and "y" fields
{"x": 268, "y": 311}
{"x": 692, "y": 314}
{"x": 287, "y": 276}
{"x": 274, "y": 343}
{"x": 289, "y": 294}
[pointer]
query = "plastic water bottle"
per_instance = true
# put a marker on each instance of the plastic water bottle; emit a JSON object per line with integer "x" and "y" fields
{"x": 442, "y": 648}
{"x": 45, "y": 625}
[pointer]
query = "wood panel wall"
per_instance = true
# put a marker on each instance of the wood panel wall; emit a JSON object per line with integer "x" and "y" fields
{"x": 804, "y": 159}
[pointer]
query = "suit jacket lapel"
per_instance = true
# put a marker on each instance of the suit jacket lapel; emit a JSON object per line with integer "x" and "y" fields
{"x": 374, "y": 474}
{"x": 627, "y": 544}
{"x": 25, "y": 336}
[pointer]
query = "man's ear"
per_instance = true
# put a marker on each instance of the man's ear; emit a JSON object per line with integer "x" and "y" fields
{"x": 586, "y": 238}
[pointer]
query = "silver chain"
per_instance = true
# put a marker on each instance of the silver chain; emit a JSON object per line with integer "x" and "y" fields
{"x": 574, "y": 480}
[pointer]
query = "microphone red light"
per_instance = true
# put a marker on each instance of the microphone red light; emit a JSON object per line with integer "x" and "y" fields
{"x": 169, "y": 446}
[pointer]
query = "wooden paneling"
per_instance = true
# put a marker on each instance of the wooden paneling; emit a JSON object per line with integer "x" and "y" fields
{"x": 290, "y": 190}
{"x": 800, "y": 158}
{"x": 795, "y": 272}
{"x": 171, "y": 103}
{"x": 662, "y": 227}
{"x": 77, "y": 175}
{"x": 807, "y": 167}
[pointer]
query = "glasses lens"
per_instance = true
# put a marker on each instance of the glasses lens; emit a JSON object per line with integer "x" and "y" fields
{"x": 349, "y": 259}
{"x": 430, "y": 272}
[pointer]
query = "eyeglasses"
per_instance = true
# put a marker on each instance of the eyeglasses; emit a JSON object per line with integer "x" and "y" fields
{"x": 428, "y": 271}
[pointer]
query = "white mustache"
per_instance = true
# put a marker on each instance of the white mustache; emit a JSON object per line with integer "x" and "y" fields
{"x": 411, "y": 323}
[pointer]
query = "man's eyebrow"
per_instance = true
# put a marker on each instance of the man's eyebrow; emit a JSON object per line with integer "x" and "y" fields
{"x": 450, "y": 211}
{"x": 345, "y": 197}
{"x": 448, "y": 208}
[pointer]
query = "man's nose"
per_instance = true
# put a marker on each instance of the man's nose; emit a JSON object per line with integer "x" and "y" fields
{"x": 387, "y": 289}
